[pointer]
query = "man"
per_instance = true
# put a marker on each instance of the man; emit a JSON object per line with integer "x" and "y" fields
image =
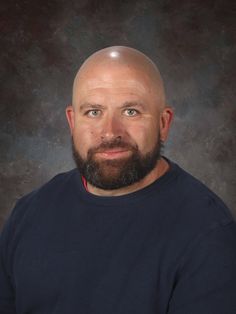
{"x": 128, "y": 231}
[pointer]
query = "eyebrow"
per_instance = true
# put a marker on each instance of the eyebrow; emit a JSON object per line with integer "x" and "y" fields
{"x": 90, "y": 106}
{"x": 133, "y": 104}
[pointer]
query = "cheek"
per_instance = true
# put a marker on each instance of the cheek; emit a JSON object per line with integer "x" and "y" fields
{"x": 145, "y": 136}
{"x": 84, "y": 138}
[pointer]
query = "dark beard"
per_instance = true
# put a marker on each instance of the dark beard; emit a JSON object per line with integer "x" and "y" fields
{"x": 118, "y": 173}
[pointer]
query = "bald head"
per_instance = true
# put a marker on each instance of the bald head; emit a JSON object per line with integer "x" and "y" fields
{"x": 118, "y": 120}
{"x": 108, "y": 61}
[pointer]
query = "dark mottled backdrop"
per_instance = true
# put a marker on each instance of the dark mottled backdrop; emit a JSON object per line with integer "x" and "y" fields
{"x": 44, "y": 42}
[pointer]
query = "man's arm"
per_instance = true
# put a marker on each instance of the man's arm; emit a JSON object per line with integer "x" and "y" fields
{"x": 206, "y": 281}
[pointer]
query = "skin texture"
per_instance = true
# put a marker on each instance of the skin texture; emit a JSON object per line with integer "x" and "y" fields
{"x": 118, "y": 93}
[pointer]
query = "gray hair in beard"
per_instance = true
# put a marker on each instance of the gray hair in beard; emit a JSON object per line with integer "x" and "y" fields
{"x": 115, "y": 174}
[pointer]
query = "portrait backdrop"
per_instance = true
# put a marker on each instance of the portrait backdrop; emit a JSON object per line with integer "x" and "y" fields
{"x": 43, "y": 43}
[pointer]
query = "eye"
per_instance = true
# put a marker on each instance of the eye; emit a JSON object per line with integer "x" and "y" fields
{"x": 131, "y": 112}
{"x": 93, "y": 113}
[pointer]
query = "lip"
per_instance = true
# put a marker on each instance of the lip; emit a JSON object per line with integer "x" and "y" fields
{"x": 113, "y": 153}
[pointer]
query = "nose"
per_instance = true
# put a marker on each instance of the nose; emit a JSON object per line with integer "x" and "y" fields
{"x": 112, "y": 128}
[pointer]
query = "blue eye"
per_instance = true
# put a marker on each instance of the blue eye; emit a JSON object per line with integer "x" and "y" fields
{"x": 93, "y": 113}
{"x": 131, "y": 112}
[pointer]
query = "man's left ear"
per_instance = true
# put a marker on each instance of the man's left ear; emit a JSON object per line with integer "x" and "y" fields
{"x": 166, "y": 117}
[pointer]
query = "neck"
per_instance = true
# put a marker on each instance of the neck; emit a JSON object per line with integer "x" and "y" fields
{"x": 160, "y": 169}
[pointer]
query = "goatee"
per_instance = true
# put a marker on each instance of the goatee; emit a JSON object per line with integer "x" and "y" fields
{"x": 113, "y": 174}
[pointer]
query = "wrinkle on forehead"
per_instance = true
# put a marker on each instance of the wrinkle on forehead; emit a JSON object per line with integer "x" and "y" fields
{"x": 108, "y": 60}
{"x": 125, "y": 83}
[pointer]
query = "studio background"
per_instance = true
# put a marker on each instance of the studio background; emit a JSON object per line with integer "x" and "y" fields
{"x": 43, "y": 43}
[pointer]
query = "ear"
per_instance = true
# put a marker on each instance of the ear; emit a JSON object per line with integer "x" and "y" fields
{"x": 166, "y": 117}
{"x": 70, "y": 115}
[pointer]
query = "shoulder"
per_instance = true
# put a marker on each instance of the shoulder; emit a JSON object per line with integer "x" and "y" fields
{"x": 191, "y": 209}
{"x": 199, "y": 223}
{"x": 196, "y": 197}
{"x": 53, "y": 187}
{"x": 28, "y": 206}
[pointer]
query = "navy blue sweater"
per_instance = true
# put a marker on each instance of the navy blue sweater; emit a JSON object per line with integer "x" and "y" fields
{"x": 168, "y": 248}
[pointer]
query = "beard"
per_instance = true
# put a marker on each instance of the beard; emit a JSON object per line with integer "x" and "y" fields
{"x": 116, "y": 173}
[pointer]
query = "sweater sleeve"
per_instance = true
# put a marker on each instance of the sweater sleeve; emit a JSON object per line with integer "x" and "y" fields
{"x": 7, "y": 298}
{"x": 206, "y": 280}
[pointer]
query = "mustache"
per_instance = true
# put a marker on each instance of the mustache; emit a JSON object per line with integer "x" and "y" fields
{"x": 116, "y": 143}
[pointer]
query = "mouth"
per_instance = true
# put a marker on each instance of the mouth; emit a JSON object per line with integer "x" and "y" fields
{"x": 113, "y": 153}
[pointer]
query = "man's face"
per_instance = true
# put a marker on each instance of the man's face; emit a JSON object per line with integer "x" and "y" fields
{"x": 115, "y": 124}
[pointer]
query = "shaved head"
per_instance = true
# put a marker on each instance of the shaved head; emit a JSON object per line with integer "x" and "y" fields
{"x": 108, "y": 60}
{"x": 118, "y": 121}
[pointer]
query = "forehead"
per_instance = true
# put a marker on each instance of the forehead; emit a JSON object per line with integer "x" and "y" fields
{"x": 113, "y": 80}
{"x": 128, "y": 85}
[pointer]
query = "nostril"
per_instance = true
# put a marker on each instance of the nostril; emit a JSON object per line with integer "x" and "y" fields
{"x": 112, "y": 136}
{"x": 115, "y": 139}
